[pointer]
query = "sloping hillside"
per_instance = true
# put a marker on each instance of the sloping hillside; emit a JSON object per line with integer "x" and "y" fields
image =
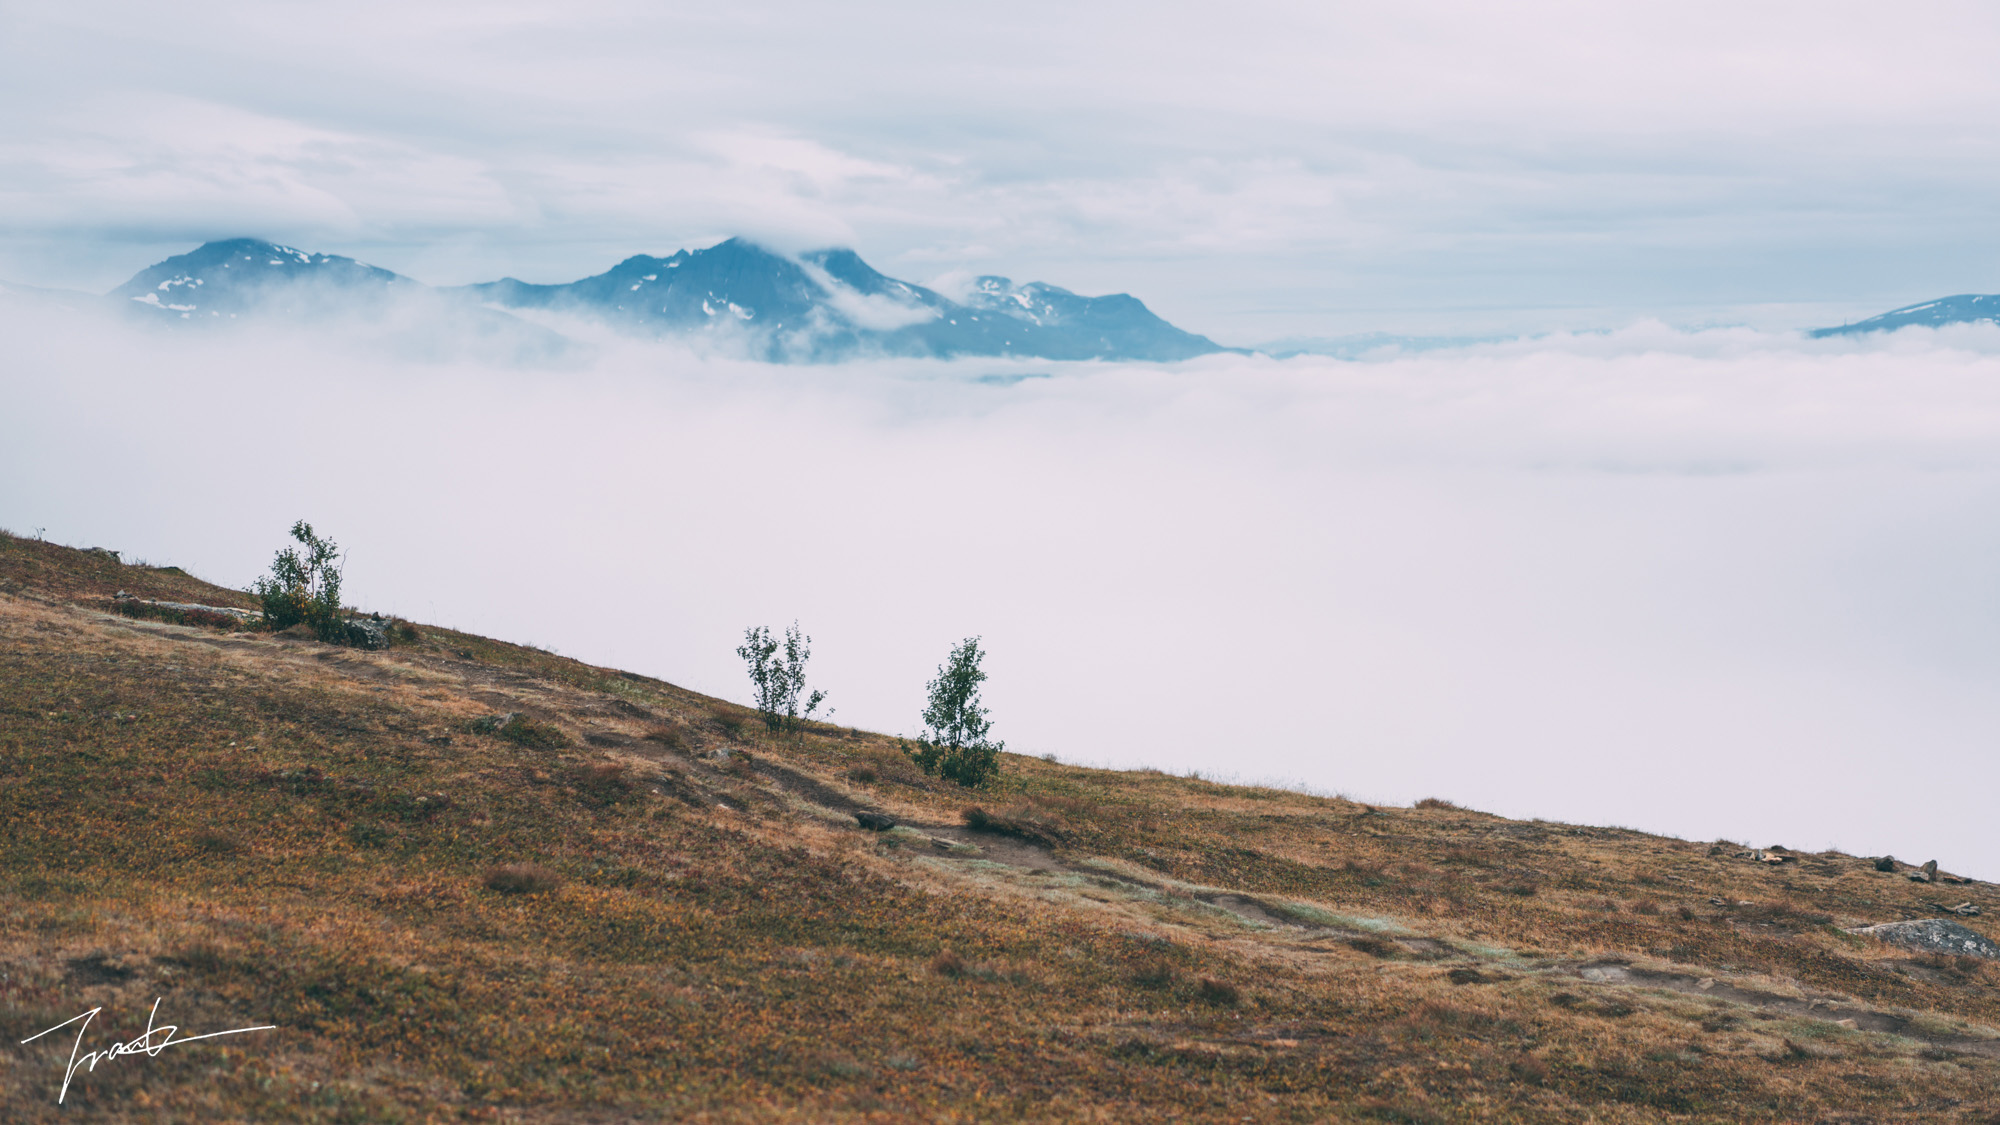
{"x": 627, "y": 903}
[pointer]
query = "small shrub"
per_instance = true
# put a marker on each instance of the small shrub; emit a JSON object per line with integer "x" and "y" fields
{"x": 1529, "y": 1069}
{"x": 601, "y": 784}
{"x": 970, "y": 766}
{"x": 206, "y": 618}
{"x": 1780, "y": 915}
{"x": 406, "y": 634}
{"x": 304, "y": 589}
{"x": 1368, "y": 875}
{"x": 1220, "y": 993}
{"x": 732, "y": 720}
{"x": 863, "y": 774}
{"x": 1018, "y": 823}
{"x": 673, "y": 736}
{"x": 948, "y": 964}
{"x": 523, "y": 731}
{"x": 1372, "y": 946}
{"x": 1437, "y": 803}
{"x": 955, "y": 746}
{"x": 522, "y": 879}
{"x": 780, "y": 681}
{"x": 216, "y": 844}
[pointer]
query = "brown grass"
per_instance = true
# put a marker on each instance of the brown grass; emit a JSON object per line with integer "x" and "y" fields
{"x": 258, "y": 832}
{"x": 522, "y": 879}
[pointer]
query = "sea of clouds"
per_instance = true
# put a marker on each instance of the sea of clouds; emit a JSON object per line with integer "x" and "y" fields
{"x": 1717, "y": 584}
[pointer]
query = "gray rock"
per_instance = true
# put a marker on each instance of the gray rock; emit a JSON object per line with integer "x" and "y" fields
{"x": 1928, "y": 874}
{"x": 492, "y": 723}
{"x": 874, "y": 821}
{"x": 1934, "y": 935}
{"x": 367, "y": 632}
{"x": 104, "y": 553}
{"x": 1886, "y": 863}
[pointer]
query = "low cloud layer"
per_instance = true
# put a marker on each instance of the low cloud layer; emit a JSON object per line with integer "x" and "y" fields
{"x": 1725, "y": 583}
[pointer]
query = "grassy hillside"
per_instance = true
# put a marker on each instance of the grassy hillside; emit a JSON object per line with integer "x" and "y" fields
{"x": 629, "y": 904}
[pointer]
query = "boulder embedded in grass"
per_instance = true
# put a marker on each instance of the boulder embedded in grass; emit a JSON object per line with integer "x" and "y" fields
{"x": 370, "y": 633}
{"x": 874, "y": 821}
{"x": 1934, "y": 935}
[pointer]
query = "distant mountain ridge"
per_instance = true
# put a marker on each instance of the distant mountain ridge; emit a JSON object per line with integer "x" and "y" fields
{"x": 1966, "y": 308}
{"x": 830, "y": 304}
{"x": 820, "y": 306}
{"x": 242, "y": 275}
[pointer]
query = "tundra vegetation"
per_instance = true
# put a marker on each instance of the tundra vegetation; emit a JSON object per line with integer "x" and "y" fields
{"x": 654, "y": 909}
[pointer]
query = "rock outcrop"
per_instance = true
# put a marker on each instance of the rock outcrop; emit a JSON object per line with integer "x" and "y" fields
{"x": 1934, "y": 935}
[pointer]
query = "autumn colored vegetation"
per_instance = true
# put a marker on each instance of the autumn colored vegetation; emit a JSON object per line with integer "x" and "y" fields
{"x": 626, "y": 902}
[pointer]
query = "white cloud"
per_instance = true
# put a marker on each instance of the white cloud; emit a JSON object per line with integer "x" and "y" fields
{"x": 1727, "y": 583}
{"x": 186, "y": 164}
{"x": 880, "y": 312}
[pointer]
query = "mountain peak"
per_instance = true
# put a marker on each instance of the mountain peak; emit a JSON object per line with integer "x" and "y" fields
{"x": 225, "y": 278}
{"x": 831, "y": 304}
{"x": 1965, "y": 308}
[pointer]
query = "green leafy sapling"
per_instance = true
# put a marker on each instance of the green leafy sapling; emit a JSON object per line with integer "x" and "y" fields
{"x": 304, "y": 587}
{"x": 778, "y": 675}
{"x": 954, "y": 745}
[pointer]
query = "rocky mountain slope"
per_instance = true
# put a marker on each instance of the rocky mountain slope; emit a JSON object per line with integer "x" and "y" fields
{"x": 247, "y": 276}
{"x": 468, "y": 880}
{"x": 1966, "y": 308}
{"x": 822, "y": 306}
{"x": 830, "y": 304}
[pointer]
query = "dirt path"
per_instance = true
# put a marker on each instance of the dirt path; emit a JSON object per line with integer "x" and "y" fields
{"x": 1841, "y": 1010}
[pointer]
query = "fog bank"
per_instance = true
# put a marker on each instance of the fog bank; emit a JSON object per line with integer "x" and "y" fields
{"x": 1719, "y": 584}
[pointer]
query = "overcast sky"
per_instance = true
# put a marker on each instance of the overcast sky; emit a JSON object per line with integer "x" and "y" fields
{"x": 1252, "y": 170}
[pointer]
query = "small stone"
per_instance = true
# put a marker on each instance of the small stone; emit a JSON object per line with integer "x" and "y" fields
{"x": 874, "y": 821}
{"x": 1705, "y": 983}
{"x": 1930, "y": 870}
{"x": 1965, "y": 910}
{"x": 1886, "y": 863}
{"x": 1850, "y": 1024}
